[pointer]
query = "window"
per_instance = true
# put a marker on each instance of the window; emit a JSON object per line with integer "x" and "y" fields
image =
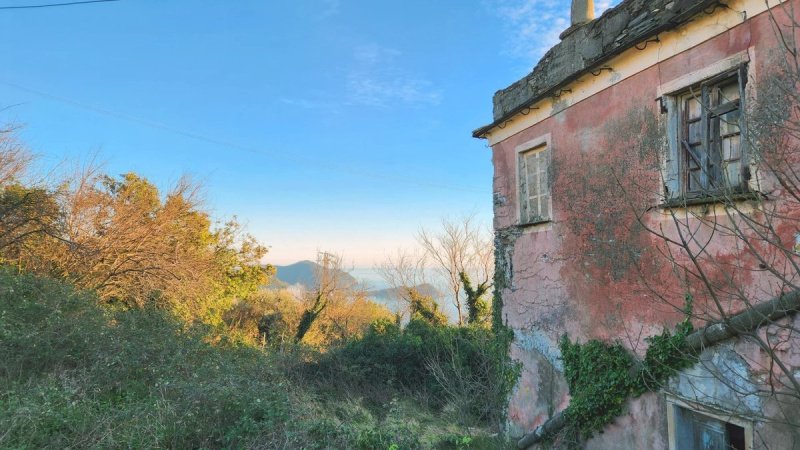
{"x": 709, "y": 155}
{"x": 534, "y": 190}
{"x": 693, "y": 430}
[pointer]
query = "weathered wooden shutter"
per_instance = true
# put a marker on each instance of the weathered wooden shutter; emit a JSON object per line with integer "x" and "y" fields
{"x": 544, "y": 184}
{"x": 743, "y": 137}
{"x": 523, "y": 187}
{"x": 672, "y": 163}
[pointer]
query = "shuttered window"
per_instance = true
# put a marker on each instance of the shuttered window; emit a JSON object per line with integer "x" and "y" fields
{"x": 534, "y": 190}
{"x": 709, "y": 120}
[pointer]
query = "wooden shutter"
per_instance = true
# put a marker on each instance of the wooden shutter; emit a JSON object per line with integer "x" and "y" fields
{"x": 672, "y": 164}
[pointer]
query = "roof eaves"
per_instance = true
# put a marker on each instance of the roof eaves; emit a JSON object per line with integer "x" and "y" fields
{"x": 589, "y": 47}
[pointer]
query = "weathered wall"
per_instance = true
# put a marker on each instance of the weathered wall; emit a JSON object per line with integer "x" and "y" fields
{"x": 595, "y": 271}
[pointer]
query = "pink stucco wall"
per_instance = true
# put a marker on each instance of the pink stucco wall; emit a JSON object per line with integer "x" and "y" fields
{"x": 593, "y": 272}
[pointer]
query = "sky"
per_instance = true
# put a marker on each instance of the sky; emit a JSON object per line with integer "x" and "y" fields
{"x": 331, "y": 125}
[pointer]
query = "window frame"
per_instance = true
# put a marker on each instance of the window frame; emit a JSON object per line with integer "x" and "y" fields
{"x": 540, "y": 145}
{"x": 712, "y": 175}
{"x": 677, "y": 190}
{"x": 675, "y": 403}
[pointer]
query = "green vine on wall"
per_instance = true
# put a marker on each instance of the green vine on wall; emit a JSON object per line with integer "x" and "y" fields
{"x": 602, "y": 376}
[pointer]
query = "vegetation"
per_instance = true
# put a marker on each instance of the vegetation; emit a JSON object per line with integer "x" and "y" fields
{"x": 464, "y": 368}
{"x": 459, "y": 252}
{"x": 129, "y": 319}
{"x": 477, "y": 308}
{"x": 602, "y": 376}
{"x": 81, "y": 374}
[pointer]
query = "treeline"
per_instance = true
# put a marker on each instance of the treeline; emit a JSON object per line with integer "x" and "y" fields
{"x": 130, "y": 318}
{"x": 121, "y": 238}
{"x": 135, "y": 246}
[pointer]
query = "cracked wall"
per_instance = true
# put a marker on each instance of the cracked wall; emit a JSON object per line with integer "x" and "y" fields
{"x": 595, "y": 271}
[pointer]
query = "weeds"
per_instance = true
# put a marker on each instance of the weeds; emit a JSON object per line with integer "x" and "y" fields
{"x": 76, "y": 374}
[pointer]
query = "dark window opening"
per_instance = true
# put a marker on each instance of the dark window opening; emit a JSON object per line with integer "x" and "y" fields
{"x": 696, "y": 431}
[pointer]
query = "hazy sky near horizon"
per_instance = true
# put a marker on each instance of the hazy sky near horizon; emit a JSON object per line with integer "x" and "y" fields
{"x": 322, "y": 124}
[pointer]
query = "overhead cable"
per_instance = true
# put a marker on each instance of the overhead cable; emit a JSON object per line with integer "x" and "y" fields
{"x": 51, "y": 5}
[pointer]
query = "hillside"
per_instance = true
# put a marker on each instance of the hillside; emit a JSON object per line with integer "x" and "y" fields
{"x": 304, "y": 273}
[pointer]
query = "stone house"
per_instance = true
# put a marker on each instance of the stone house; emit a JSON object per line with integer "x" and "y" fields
{"x": 651, "y": 156}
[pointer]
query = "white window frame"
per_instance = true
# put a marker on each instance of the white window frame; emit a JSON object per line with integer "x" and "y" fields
{"x": 672, "y": 422}
{"x": 537, "y": 145}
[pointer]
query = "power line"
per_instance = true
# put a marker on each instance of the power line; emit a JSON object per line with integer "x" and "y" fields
{"x": 382, "y": 177}
{"x": 50, "y": 5}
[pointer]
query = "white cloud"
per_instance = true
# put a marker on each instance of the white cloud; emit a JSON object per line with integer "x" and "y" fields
{"x": 377, "y": 79}
{"x": 371, "y": 54}
{"x": 367, "y": 89}
{"x": 532, "y": 26}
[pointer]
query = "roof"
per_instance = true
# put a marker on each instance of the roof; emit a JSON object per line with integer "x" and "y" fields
{"x": 585, "y": 48}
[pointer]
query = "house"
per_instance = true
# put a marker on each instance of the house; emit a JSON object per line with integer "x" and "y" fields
{"x": 648, "y": 163}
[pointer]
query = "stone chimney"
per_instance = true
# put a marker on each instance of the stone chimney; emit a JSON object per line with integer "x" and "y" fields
{"x": 582, "y": 12}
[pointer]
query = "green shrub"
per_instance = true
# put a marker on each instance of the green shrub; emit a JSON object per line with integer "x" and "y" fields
{"x": 79, "y": 375}
{"x": 467, "y": 368}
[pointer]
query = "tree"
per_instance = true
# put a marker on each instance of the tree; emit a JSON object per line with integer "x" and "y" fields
{"x": 425, "y": 308}
{"x": 329, "y": 285}
{"x": 405, "y": 274}
{"x": 26, "y": 212}
{"x": 477, "y": 307}
{"x": 459, "y": 247}
{"x": 120, "y": 238}
{"x": 14, "y": 158}
{"x": 26, "y": 215}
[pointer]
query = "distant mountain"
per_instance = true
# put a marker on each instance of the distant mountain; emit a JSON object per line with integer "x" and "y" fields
{"x": 394, "y": 293}
{"x": 304, "y": 273}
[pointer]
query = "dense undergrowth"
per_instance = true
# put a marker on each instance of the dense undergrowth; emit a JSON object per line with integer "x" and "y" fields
{"x": 80, "y": 374}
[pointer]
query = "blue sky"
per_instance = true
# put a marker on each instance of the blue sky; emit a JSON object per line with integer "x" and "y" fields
{"x": 322, "y": 124}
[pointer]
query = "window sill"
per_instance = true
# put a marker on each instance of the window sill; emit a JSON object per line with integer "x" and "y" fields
{"x": 722, "y": 198}
{"x": 534, "y": 223}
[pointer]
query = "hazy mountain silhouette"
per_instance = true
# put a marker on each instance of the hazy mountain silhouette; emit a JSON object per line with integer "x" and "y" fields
{"x": 304, "y": 273}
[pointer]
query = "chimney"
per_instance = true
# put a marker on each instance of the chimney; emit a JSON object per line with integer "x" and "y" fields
{"x": 582, "y": 11}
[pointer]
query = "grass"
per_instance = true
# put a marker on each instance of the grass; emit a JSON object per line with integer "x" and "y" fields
{"x": 79, "y": 375}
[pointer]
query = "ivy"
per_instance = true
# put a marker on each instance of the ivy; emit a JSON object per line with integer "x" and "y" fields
{"x": 602, "y": 376}
{"x": 599, "y": 379}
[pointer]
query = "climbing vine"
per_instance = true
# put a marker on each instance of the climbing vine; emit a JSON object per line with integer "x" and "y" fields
{"x": 602, "y": 376}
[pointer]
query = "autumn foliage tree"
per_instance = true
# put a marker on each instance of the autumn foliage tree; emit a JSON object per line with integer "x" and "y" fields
{"x": 120, "y": 237}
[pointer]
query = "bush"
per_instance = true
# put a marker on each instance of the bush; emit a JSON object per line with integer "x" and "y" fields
{"x": 79, "y": 375}
{"x": 467, "y": 368}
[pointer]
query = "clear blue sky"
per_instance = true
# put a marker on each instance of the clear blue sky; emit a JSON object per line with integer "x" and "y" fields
{"x": 322, "y": 124}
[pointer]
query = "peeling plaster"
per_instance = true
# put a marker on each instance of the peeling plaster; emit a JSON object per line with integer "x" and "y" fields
{"x": 534, "y": 340}
{"x": 721, "y": 378}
